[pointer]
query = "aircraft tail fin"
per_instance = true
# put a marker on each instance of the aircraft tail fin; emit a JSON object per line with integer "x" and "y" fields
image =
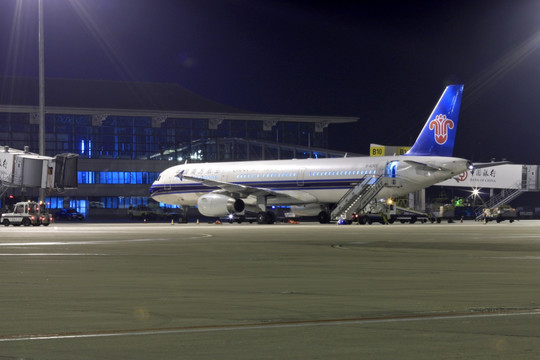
{"x": 439, "y": 133}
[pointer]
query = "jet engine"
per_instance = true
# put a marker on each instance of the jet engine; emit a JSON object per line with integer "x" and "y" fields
{"x": 219, "y": 205}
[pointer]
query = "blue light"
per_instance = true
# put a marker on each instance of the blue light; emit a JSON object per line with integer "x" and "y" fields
{"x": 82, "y": 146}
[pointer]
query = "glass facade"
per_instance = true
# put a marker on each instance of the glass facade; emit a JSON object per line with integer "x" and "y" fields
{"x": 125, "y": 137}
{"x": 117, "y": 177}
{"x": 84, "y": 206}
{"x": 145, "y": 138}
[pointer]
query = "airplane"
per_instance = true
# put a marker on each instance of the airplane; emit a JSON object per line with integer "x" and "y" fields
{"x": 318, "y": 186}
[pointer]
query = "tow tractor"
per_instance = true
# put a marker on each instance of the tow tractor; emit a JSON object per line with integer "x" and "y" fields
{"x": 501, "y": 213}
{"x": 387, "y": 212}
{"x": 28, "y": 213}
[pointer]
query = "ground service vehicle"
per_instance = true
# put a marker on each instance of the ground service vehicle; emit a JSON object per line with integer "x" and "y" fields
{"x": 152, "y": 213}
{"x": 500, "y": 213}
{"x": 68, "y": 214}
{"x": 28, "y": 213}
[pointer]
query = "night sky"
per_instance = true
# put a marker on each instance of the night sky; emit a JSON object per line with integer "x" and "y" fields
{"x": 384, "y": 62}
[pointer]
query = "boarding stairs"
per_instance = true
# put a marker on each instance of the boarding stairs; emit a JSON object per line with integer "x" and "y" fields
{"x": 358, "y": 197}
{"x": 503, "y": 198}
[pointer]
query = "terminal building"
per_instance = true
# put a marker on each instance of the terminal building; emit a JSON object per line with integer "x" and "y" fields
{"x": 126, "y": 133}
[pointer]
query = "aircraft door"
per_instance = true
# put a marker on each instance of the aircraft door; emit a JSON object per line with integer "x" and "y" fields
{"x": 300, "y": 177}
{"x": 391, "y": 169}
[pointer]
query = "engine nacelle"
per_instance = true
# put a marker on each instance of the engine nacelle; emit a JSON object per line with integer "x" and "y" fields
{"x": 219, "y": 205}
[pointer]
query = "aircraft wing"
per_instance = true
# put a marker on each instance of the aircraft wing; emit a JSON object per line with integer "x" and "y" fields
{"x": 228, "y": 187}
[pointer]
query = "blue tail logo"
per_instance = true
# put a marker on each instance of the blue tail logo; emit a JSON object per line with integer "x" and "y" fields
{"x": 439, "y": 133}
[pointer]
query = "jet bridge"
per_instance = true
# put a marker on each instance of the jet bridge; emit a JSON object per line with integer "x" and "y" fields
{"x": 511, "y": 179}
{"x": 21, "y": 168}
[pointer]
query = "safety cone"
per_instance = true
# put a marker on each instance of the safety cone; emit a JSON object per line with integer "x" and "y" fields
{"x": 172, "y": 221}
{"x": 197, "y": 221}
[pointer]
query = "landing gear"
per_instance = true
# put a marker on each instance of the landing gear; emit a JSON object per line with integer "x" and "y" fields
{"x": 266, "y": 217}
{"x": 323, "y": 217}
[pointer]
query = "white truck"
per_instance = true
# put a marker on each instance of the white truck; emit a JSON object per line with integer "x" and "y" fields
{"x": 27, "y": 213}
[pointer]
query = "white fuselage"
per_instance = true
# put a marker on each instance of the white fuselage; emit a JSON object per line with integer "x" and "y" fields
{"x": 307, "y": 181}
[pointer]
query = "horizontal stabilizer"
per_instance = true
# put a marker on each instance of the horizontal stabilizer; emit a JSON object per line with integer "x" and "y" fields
{"x": 423, "y": 166}
{"x": 489, "y": 164}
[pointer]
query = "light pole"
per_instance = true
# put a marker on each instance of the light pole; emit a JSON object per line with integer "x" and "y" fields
{"x": 41, "y": 90}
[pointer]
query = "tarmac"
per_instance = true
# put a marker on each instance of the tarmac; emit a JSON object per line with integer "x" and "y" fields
{"x": 283, "y": 291}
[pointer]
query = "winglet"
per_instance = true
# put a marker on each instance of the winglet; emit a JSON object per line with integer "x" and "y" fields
{"x": 439, "y": 133}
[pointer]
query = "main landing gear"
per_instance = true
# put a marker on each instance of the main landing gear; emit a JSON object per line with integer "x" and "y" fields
{"x": 266, "y": 217}
{"x": 323, "y": 217}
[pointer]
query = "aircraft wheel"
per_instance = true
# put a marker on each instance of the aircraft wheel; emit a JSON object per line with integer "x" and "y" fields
{"x": 262, "y": 218}
{"x": 323, "y": 217}
{"x": 271, "y": 217}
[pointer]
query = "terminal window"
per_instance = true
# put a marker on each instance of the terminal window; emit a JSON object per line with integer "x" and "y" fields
{"x": 117, "y": 177}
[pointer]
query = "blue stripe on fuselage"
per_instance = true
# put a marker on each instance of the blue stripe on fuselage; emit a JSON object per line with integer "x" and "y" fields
{"x": 319, "y": 184}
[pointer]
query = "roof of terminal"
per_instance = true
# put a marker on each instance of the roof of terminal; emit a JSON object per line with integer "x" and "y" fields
{"x": 107, "y": 94}
{"x": 127, "y": 98}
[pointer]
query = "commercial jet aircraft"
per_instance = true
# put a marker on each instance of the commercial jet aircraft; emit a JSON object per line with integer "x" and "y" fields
{"x": 329, "y": 187}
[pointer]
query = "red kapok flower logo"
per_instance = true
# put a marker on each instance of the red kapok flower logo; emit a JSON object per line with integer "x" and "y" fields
{"x": 440, "y": 125}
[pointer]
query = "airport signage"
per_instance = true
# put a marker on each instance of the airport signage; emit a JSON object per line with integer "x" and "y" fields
{"x": 496, "y": 177}
{"x": 383, "y": 150}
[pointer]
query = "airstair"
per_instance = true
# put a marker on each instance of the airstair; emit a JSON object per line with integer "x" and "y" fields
{"x": 503, "y": 198}
{"x": 358, "y": 197}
